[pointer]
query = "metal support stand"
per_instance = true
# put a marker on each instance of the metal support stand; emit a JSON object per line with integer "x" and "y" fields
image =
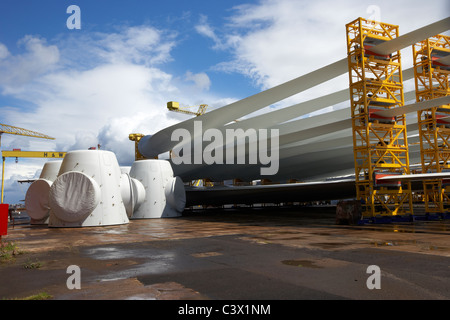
{"x": 379, "y": 143}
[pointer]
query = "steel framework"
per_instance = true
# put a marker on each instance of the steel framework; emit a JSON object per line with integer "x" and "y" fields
{"x": 431, "y": 81}
{"x": 380, "y": 144}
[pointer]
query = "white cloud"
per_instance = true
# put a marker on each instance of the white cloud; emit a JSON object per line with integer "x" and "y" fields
{"x": 205, "y": 29}
{"x": 141, "y": 45}
{"x": 18, "y": 70}
{"x": 274, "y": 41}
{"x": 200, "y": 80}
{"x": 25, "y": 169}
{"x": 3, "y": 51}
{"x": 71, "y": 105}
{"x": 95, "y": 89}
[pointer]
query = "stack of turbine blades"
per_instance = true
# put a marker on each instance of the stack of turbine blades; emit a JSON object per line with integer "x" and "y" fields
{"x": 304, "y": 129}
{"x": 305, "y": 144}
{"x": 160, "y": 142}
{"x": 330, "y": 138}
{"x": 279, "y": 116}
{"x": 302, "y": 167}
{"x": 298, "y": 131}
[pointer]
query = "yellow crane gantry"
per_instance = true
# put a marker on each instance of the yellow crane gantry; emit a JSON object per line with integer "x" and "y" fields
{"x": 136, "y": 137}
{"x": 4, "y": 128}
{"x": 171, "y": 106}
{"x": 175, "y": 106}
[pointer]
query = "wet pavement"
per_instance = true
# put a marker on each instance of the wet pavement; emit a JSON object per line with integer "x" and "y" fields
{"x": 292, "y": 253}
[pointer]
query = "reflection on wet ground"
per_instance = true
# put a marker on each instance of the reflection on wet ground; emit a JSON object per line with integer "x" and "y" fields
{"x": 180, "y": 258}
{"x": 298, "y": 227}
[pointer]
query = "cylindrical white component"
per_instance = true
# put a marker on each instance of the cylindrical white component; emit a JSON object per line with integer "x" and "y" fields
{"x": 36, "y": 198}
{"x": 87, "y": 191}
{"x": 50, "y": 170}
{"x": 176, "y": 194}
{"x": 74, "y": 196}
{"x": 36, "y": 201}
{"x": 133, "y": 193}
{"x": 127, "y": 193}
{"x": 138, "y": 191}
{"x": 155, "y": 175}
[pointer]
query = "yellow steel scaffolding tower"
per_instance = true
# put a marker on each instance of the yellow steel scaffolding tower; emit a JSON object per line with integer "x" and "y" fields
{"x": 431, "y": 80}
{"x": 379, "y": 143}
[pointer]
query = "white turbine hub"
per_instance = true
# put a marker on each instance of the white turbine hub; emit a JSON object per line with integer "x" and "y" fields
{"x": 74, "y": 196}
{"x": 176, "y": 194}
{"x": 36, "y": 199}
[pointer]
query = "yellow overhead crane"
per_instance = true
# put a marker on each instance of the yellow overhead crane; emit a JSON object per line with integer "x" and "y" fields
{"x": 4, "y": 128}
{"x": 175, "y": 106}
{"x": 172, "y": 106}
{"x": 136, "y": 137}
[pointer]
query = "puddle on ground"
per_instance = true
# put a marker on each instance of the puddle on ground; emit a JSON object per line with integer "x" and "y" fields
{"x": 206, "y": 254}
{"x": 300, "y": 263}
{"x": 329, "y": 245}
{"x": 421, "y": 244}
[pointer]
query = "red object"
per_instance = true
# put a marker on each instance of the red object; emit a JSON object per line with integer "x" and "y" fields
{"x": 374, "y": 116}
{"x": 386, "y": 183}
{"x": 443, "y": 119}
{"x": 368, "y": 52}
{"x": 4, "y": 208}
{"x": 435, "y": 56}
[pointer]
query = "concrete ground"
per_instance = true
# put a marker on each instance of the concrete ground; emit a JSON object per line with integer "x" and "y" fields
{"x": 249, "y": 254}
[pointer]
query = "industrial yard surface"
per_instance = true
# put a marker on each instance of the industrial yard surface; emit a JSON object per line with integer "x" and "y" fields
{"x": 252, "y": 254}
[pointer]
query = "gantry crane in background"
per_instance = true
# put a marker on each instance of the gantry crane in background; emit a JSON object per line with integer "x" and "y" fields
{"x": 136, "y": 137}
{"x": 431, "y": 81}
{"x": 4, "y": 128}
{"x": 171, "y": 106}
{"x": 175, "y": 106}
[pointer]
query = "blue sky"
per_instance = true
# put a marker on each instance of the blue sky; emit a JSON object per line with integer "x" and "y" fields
{"x": 114, "y": 76}
{"x": 47, "y": 19}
